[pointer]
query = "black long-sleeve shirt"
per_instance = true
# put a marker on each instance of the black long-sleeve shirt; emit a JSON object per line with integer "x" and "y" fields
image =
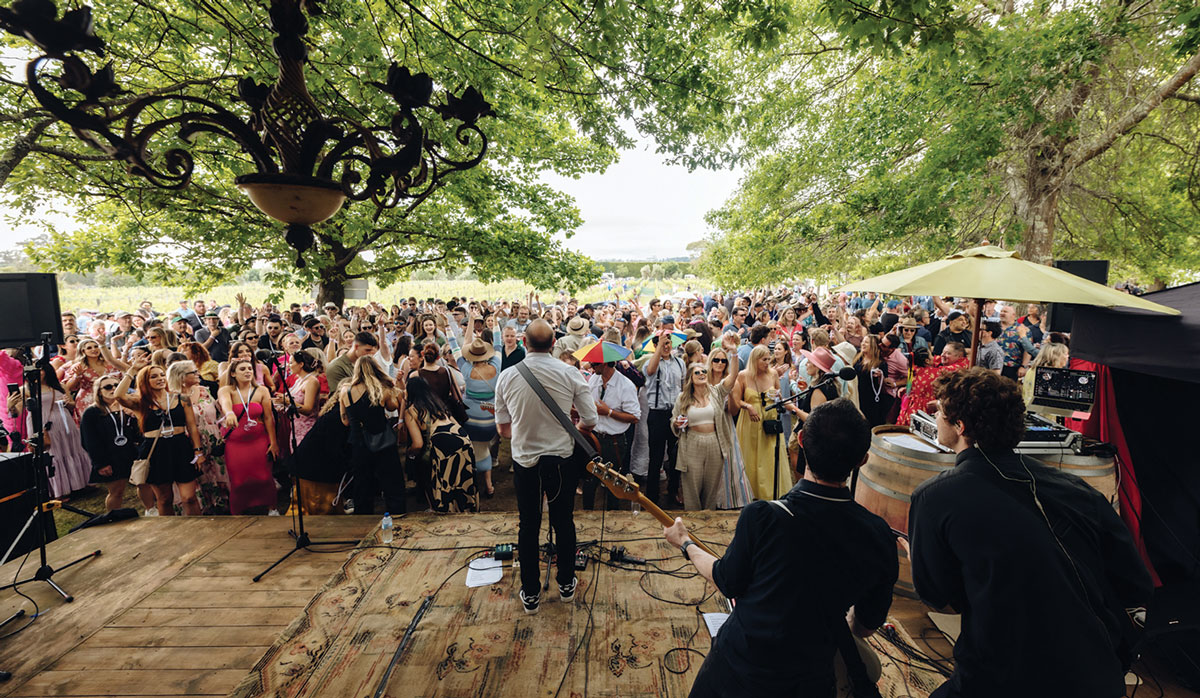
{"x": 1035, "y": 621}
{"x": 788, "y": 585}
{"x": 98, "y": 431}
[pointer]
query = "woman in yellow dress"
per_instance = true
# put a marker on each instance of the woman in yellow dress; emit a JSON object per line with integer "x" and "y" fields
{"x": 762, "y": 453}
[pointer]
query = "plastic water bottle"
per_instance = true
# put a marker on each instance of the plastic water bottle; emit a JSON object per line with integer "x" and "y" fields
{"x": 386, "y": 529}
{"x": 635, "y": 507}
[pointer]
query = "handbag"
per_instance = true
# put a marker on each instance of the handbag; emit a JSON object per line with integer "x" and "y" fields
{"x": 380, "y": 441}
{"x": 141, "y": 467}
{"x": 772, "y": 426}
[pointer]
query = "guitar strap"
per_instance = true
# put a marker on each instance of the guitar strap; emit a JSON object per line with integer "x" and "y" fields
{"x": 548, "y": 401}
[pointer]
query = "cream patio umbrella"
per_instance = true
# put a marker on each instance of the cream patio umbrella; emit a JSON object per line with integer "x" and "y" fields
{"x": 991, "y": 273}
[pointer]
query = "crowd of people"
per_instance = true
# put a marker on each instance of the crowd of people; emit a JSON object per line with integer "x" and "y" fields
{"x": 707, "y": 411}
{"x": 761, "y": 401}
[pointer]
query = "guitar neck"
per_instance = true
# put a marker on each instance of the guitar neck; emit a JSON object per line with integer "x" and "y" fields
{"x": 667, "y": 520}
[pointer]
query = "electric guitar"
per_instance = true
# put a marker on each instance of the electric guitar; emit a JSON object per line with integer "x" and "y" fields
{"x": 623, "y": 487}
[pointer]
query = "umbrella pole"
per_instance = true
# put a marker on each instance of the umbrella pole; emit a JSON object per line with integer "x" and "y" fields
{"x": 975, "y": 323}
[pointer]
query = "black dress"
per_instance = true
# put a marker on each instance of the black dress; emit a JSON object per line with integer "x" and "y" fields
{"x": 874, "y": 401}
{"x": 111, "y": 439}
{"x": 373, "y": 471}
{"x": 172, "y": 458}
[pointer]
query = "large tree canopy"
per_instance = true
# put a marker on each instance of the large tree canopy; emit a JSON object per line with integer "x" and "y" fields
{"x": 563, "y": 77}
{"x": 900, "y": 132}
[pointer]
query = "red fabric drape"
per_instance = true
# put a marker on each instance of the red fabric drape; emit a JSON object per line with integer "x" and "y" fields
{"x": 1105, "y": 425}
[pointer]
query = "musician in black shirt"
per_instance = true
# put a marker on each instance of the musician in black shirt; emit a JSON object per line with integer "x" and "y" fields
{"x": 795, "y": 567}
{"x": 1036, "y": 561}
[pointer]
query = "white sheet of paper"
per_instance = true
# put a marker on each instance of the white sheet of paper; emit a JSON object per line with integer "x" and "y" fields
{"x": 714, "y": 621}
{"x": 484, "y": 571}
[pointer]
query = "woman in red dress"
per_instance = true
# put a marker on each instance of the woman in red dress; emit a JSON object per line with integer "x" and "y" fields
{"x": 249, "y": 440}
{"x": 952, "y": 358}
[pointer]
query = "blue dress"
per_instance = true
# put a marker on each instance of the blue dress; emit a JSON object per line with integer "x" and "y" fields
{"x": 481, "y": 423}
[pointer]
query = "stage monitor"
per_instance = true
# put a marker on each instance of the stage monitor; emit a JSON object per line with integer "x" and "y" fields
{"x": 1063, "y": 391}
{"x": 1061, "y": 315}
{"x": 31, "y": 308}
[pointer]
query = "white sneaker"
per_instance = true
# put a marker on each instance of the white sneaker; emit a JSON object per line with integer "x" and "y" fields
{"x": 152, "y": 512}
{"x": 273, "y": 512}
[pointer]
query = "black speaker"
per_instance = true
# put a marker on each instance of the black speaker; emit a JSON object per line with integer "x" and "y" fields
{"x": 17, "y": 501}
{"x": 1173, "y": 631}
{"x": 1061, "y": 315}
{"x": 31, "y": 308}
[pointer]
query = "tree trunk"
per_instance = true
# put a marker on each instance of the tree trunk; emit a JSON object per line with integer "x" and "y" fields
{"x": 1035, "y": 194}
{"x": 331, "y": 288}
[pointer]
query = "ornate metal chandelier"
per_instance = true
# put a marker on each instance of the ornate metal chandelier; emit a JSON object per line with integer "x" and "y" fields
{"x": 307, "y": 164}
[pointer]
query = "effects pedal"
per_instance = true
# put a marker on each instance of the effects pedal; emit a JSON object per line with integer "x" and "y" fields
{"x": 503, "y": 551}
{"x": 581, "y": 560}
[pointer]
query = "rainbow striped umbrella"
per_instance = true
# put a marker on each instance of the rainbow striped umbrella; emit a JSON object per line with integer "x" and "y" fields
{"x": 677, "y": 339}
{"x": 602, "y": 353}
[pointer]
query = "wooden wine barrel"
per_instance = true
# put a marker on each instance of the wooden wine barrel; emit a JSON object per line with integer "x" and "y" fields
{"x": 1099, "y": 472}
{"x": 897, "y": 462}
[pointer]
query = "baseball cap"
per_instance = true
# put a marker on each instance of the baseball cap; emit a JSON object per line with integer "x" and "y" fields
{"x": 954, "y": 315}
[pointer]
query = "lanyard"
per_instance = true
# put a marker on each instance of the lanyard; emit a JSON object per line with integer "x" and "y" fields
{"x": 168, "y": 422}
{"x": 119, "y": 428}
{"x": 250, "y": 423}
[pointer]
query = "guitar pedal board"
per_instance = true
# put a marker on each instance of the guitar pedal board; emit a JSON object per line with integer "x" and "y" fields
{"x": 503, "y": 551}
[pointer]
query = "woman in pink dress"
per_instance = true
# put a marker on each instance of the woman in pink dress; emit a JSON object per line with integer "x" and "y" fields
{"x": 250, "y": 428}
{"x": 11, "y": 373}
{"x": 72, "y": 465}
{"x": 306, "y": 391}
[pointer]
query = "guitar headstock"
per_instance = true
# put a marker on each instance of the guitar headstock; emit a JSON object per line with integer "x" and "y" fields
{"x": 621, "y": 486}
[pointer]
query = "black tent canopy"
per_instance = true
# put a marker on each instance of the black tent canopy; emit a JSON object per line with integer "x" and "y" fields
{"x": 1167, "y": 346}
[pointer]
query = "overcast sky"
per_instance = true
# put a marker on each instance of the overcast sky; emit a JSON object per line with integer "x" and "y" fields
{"x": 640, "y": 208}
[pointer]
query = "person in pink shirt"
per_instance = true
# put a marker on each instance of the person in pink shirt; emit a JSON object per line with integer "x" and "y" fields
{"x": 10, "y": 373}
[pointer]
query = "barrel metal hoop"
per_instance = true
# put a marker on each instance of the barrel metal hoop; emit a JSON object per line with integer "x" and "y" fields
{"x": 1084, "y": 472}
{"x": 897, "y": 458}
{"x": 885, "y": 491}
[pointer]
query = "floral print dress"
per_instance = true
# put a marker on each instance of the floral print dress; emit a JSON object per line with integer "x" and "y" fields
{"x": 214, "y": 478}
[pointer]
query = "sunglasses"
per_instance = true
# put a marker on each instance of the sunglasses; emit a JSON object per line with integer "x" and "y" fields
{"x": 699, "y": 373}
{"x": 72, "y": 341}
{"x": 111, "y": 386}
{"x": 908, "y": 329}
{"x": 720, "y": 361}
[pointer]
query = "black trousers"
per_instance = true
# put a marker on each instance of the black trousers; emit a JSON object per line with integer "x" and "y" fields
{"x": 374, "y": 472}
{"x": 663, "y": 443}
{"x": 557, "y": 478}
{"x": 614, "y": 449}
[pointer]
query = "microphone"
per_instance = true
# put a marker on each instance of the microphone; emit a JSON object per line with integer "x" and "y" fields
{"x": 847, "y": 373}
{"x": 267, "y": 355}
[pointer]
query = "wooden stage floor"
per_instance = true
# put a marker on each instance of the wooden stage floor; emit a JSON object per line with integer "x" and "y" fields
{"x": 169, "y": 610}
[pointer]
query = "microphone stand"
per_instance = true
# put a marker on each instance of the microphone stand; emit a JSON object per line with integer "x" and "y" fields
{"x": 299, "y": 535}
{"x": 793, "y": 398}
{"x": 43, "y": 470}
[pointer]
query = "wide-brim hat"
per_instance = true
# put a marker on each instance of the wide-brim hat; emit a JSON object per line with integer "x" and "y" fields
{"x": 577, "y": 326}
{"x": 478, "y": 350}
{"x": 847, "y": 351}
{"x": 822, "y": 358}
{"x": 908, "y": 322}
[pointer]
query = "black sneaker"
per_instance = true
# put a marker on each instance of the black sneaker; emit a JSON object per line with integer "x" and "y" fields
{"x": 566, "y": 592}
{"x": 530, "y": 602}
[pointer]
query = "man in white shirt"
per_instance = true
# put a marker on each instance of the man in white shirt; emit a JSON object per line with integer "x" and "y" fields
{"x": 541, "y": 451}
{"x": 618, "y": 410}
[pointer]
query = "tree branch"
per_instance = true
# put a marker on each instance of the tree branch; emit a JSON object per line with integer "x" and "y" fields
{"x": 1194, "y": 99}
{"x": 1134, "y": 116}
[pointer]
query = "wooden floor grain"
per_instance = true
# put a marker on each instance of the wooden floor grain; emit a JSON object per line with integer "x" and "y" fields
{"x": 168, "y": 608}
